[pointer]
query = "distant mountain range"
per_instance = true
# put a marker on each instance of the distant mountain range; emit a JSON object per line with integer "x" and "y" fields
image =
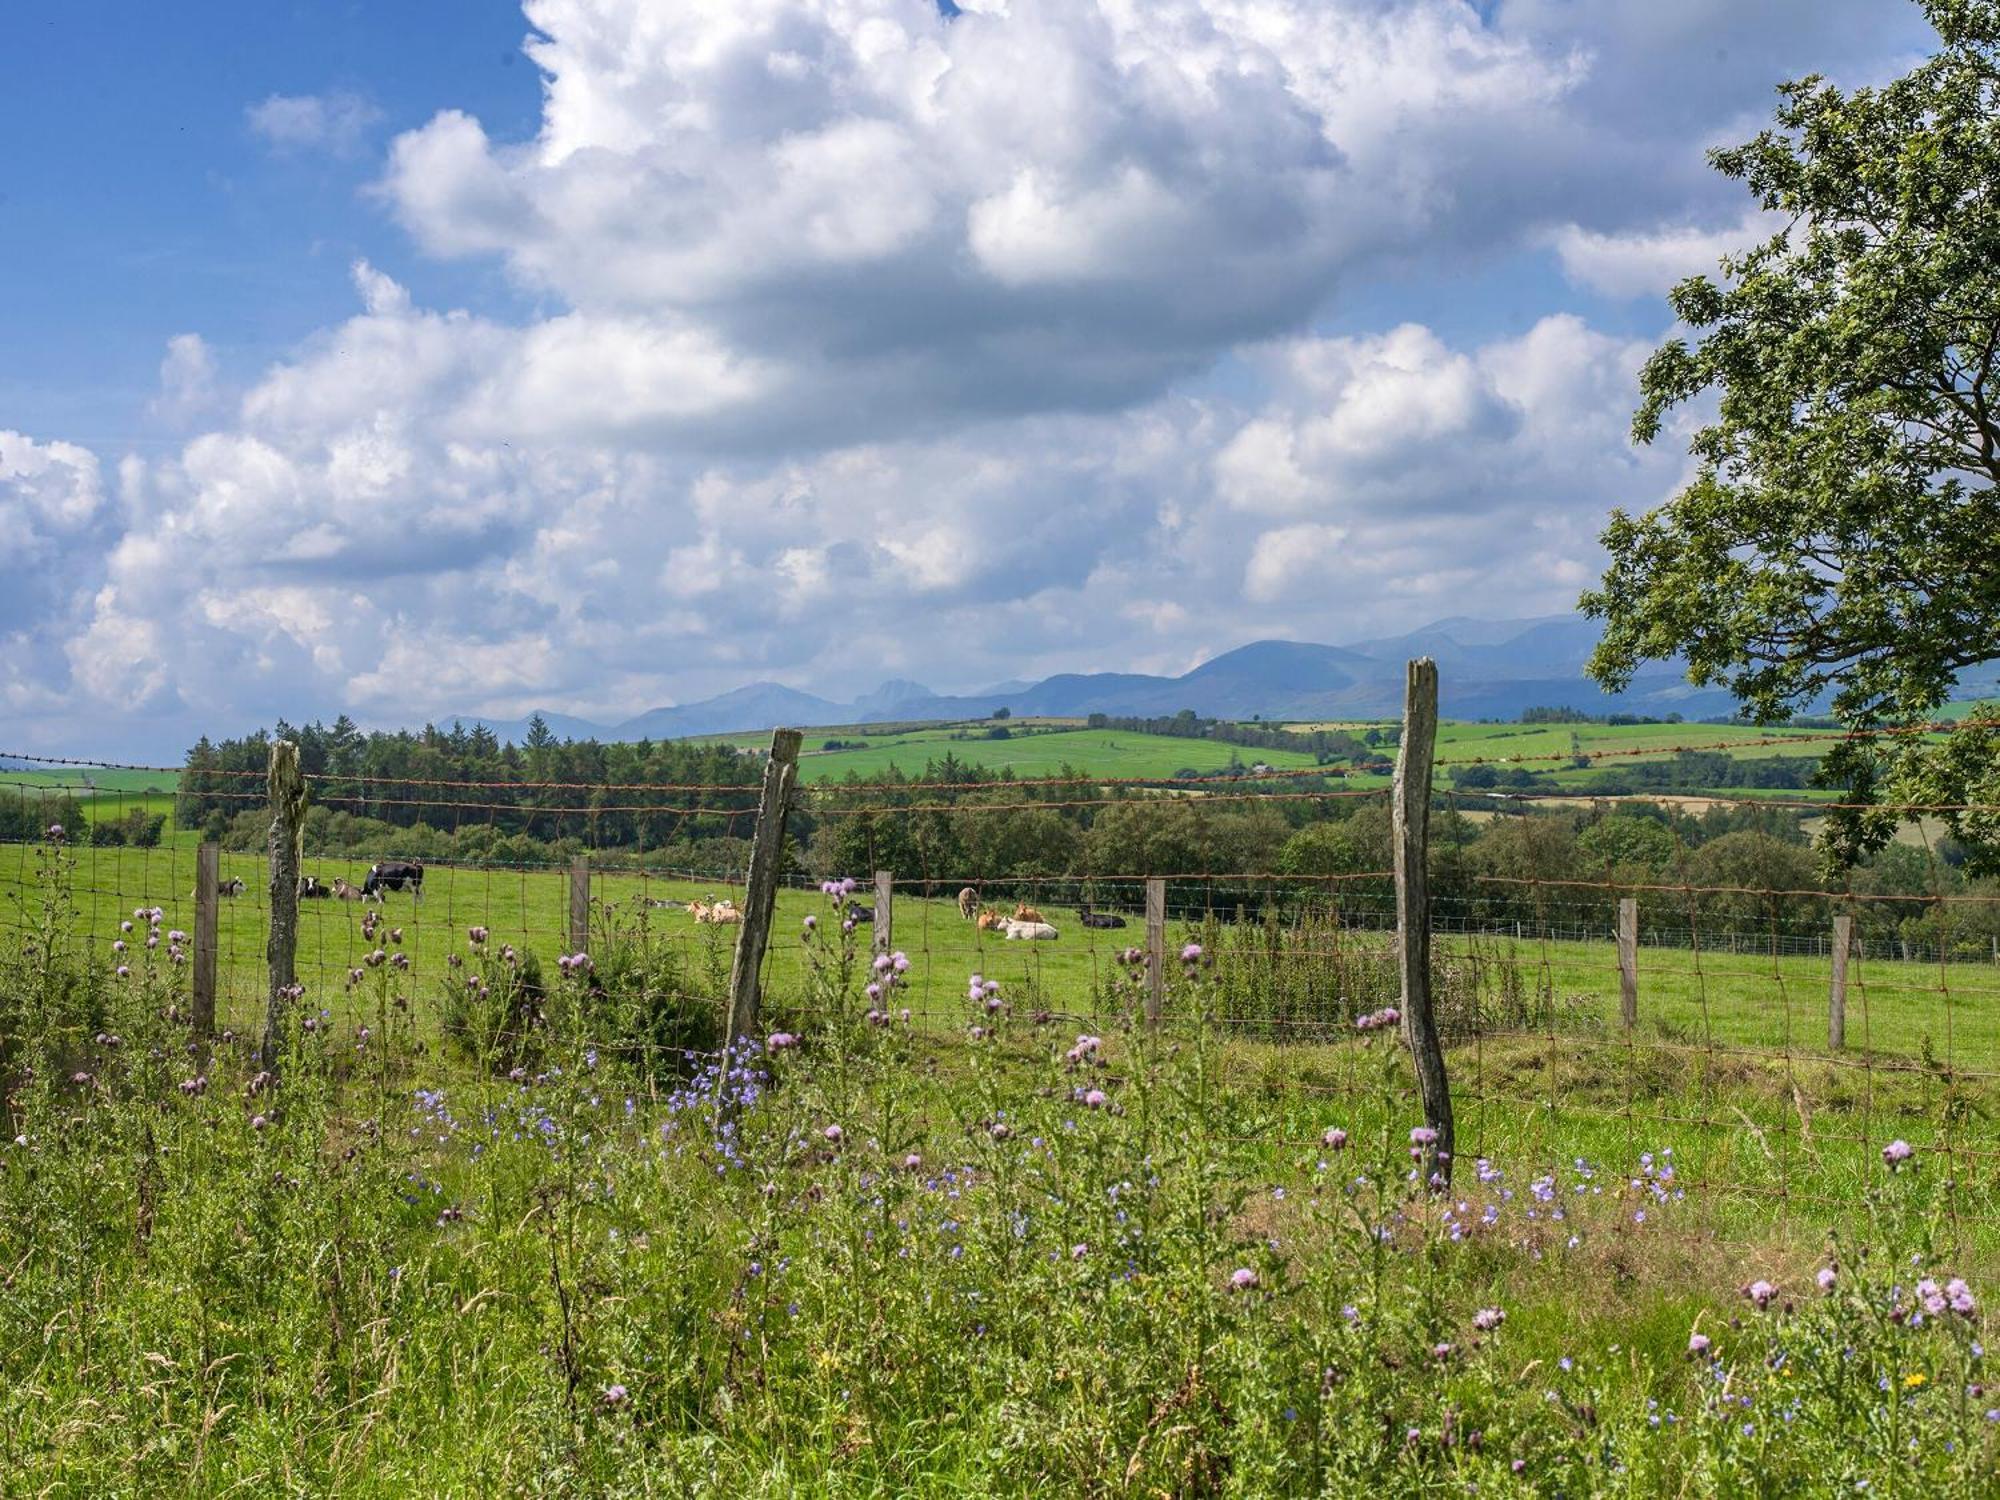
{"x": 1488, "y": 669}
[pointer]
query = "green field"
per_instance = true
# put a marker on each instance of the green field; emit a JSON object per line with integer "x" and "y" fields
{"x": 396, "y": 1272}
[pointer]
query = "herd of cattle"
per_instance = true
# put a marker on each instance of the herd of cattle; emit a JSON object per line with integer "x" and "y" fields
{"x": 1025, "y": 924}
{"x": 389, "y": 875}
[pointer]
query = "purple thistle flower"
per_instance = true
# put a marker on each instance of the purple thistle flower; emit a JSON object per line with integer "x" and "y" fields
{"x": 779, "y": 1041}
{"x": 1488, "y": 1318}
{"x": 1335, "y": 1139}
{"x": 1760, "y": 1293}
{"x": 1423, "y": 1135}
{"x": 1094, "y": 1099}
{"x": 1242, "y": 1279}
{"x": 834, "y": 1135}
{"x": 614, "y": 1395}
{"x": 1897, "y": 1152}
{"x": 1698, "y": 1343}
{"x": 1826, "y": 1278}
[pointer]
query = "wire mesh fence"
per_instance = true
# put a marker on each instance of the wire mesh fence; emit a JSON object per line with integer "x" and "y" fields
{"x": 1772, "y": 1035}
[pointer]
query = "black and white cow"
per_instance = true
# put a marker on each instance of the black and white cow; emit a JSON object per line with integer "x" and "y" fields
{"x": 393, "y": 875}
{"x": 311, "y": 890}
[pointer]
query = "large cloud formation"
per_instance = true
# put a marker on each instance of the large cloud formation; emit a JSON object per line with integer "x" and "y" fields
{"x": 883, "y": 341}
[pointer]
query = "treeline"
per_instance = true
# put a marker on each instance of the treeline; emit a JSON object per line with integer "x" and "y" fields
{"x": 1685, "y": 771}
{"x": 461, "y": 784}
{"x": 1326, "y": 746}
{"x": 25, "y": 816}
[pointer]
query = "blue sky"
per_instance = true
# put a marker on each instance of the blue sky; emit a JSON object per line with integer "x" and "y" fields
{"x": 353, "y": 356}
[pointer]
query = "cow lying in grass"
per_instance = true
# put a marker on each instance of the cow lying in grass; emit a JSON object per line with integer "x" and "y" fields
{"x": 723, "y": 911}
{"x": 1030, "y": 932}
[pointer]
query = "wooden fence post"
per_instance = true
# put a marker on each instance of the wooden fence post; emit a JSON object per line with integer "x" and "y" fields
{"x": 1410, "y": 812}
{"x": 287, "y": 785}
{"x": 207, "y": 898}
{"x": 767, "y": 853}
{"x": 1628, "y": 962}
{"x": 885, "y": 919}
{"x": 1156, "y": 948}
{"x": 579, "y": 905}
{"x": 1836, "y": 1002}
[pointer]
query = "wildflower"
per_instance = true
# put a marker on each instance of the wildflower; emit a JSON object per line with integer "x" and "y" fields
{"x": 1960, "y": 1297}
{"x": 1423, "y": 1135}
{"x": 1826, "y": 1279}
{"x": 779, "y": 1041}
{"x": 1698, "y": 1344}
{"x": 118, "y": 945}
{"x": 376, "y": 959}
{"x": 1440, "y": 1351}
{"x": 1335, "y": 1139}
{"x": 882, "y": 962}
{"x": 833, "y": 1134}
{"x": 395, "y": 934}
{"x": 1078, "y": 1252}
{"x": 1242, "y": 1279}
{"x": 1094, "y": 1099}
{"x": 125, "y": 926}
{"x": 899, "y": 962}
{"x": 124, "y": 971}
{"x": 1760, "y": 1293}
{"x": 1000, "y": 1130}
{"x": 258, "y": 1122}
{"x": 811, "y": 922}
{"x": 55, "y": 833}
{"x": 614, "y": 1395}
{"x": 1914, "y": 1379}
{"x": 1191, "y": 953}
{"x": 913, "y": 1162}
{"x": 1897, "y": 1152}
{"x": 1488, "y": 1318}
{"x": 476, "y": 935}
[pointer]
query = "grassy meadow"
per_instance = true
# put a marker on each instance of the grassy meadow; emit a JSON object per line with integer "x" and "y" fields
{"x": 1010, "y": 1245}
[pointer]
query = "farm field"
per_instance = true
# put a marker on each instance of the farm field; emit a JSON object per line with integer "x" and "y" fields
{"x": 893, "y": 1258}
{"x": 1736, "y": 1001}
{"x": 1108, "y": 753}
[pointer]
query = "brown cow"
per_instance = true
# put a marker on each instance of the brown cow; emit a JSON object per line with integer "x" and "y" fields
{"x": 1026, "y": 913}
{"x": 347, "y": 892}
{"x": 991, "y": 920}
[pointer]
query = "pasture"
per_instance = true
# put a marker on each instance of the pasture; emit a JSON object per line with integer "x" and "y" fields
{"x": 967, "y": 1253}
{"x": 959, "y": 1250}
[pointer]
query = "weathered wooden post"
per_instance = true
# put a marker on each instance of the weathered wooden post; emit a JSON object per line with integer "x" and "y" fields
{"x": 287, "y": 848}
{"x": 1156, "y": 948}
{"x": 885, "y": 917}
{"x": 207, "y": 898}
{"x": 1410, "y": 814}
{"x": 1628, "y": 962}
{"x": 767, "y": 853}
{"x": 1836, "y": 1000}
{"x": 579, "y": 905}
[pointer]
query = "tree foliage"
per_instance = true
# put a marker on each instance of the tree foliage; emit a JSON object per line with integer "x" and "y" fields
{"x": 1841, "y": 531}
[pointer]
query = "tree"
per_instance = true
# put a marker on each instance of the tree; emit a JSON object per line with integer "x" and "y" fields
{"x": 1839, "y": 533}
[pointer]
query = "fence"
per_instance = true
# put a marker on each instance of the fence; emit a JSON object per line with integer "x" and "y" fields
{"x": 1606, "y": 1016}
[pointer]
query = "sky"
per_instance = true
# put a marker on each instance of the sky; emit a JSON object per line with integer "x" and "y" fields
{"x": 592, "y": 355}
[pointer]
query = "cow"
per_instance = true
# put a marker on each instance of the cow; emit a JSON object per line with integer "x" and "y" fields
{"x": 1026, "y": 913}
{"x": 311, "y": 890}
{"x": 991, "y": 921}
{"x": 722, "y": 912}
{"x": 342, "y": 891}
{"x": 230, "y": 887}
{"x": 1105, "y": 919}
{"x": 858, "y": 913}
{"x": 393, "y": 875}
{"x": 968, "y": 903}
{"x": 1030, "y": 932}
